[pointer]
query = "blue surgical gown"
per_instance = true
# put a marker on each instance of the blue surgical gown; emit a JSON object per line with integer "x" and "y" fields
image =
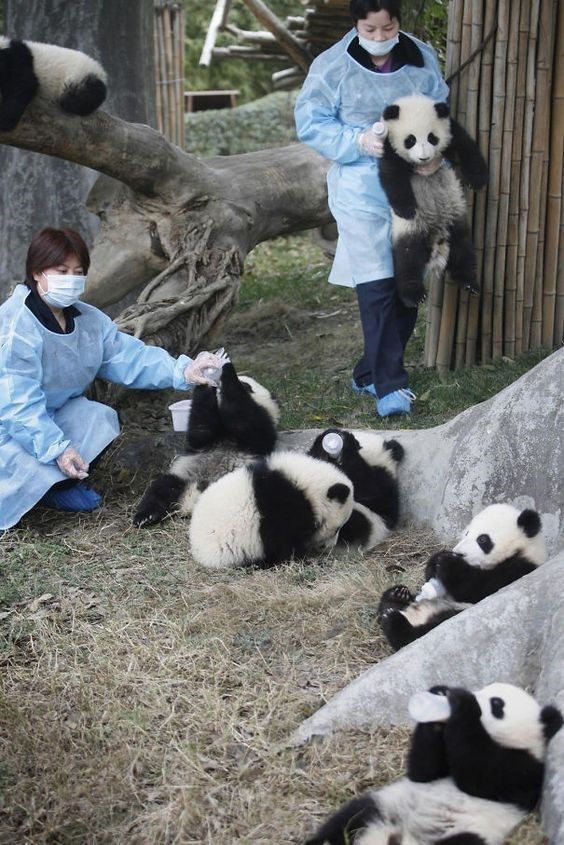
{"x": 338, "y": 101}
{"x": 42, "y": 410}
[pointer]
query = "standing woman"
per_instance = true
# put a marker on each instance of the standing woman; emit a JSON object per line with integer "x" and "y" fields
{"x": 51, "y": 348}
{"x": 346, "y": 90}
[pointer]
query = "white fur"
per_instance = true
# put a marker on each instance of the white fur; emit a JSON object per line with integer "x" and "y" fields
{"x": 224, "y": 531}
{"x": 424, "y": 813}
{"x": 418, "y": 117}
{"x": 521, "y": 725}
{"x": 374, "y": 453}
{"x": 500, "y": 523}
{"x": 420, "y": 612}
{"x": 57, "y": 67}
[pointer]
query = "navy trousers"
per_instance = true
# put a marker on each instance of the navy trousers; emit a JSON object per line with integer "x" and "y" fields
{"x": 387, "y": 325}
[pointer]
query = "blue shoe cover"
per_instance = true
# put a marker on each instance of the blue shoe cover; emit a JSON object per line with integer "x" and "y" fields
{"x": 365, "y": 388}
{"x": 398, "y": 402}
{"x": 79, "y": 499}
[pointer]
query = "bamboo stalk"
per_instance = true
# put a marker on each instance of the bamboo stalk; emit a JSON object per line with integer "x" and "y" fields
{"x": 218, "y": 20}
{"x": 554, "y": 192}
{"x": 446, "y": 334}
{"x": 539, "y": 166}
{"x": 158, "y": 93}
{"x": 433, "y": 319}
{"x": 170, "y": 69}
{"x": 559, "y": 305}
{"x": 505, "y": 283}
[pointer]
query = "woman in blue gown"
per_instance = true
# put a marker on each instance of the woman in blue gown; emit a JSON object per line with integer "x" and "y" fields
{"x": 52, "y": 346}
{"x": 346, "y": 90}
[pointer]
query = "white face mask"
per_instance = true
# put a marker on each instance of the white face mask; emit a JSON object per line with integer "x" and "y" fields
{"x": 64, "y": 290}
{"x": 378, "y": 48}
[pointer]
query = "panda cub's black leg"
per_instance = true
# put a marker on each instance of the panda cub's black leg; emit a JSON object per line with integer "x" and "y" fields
{"x": 161, "y": 499}
{"x": 204, "y": 423}
{"x": 352, "y": 818}
{"x": 461, "y": 264}
{"x": 18, "y": 83}
{"x": 412, "y": 252}
{"x": 396, "y": 628}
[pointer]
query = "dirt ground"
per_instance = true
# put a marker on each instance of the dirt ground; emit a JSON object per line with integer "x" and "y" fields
{"x": 144, "y": 700}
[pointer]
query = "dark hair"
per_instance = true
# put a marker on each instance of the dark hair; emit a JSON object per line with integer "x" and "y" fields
{"x": 360, "y": 9}
{"x": 50, "y": 247}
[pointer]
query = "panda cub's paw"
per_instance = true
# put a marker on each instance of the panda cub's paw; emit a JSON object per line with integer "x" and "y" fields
{"x": 473, "y": 288}
{"x": 395, "y": 598}
{"x": 412, "y": 293}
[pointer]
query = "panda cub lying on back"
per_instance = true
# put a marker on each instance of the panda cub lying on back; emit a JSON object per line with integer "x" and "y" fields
{"x": 500, "y": 545}
{"x": 69, "y": 78}
{"x": 472, "y": 776}
{"x": 371, "y": 463}
{"x": 227, "y": 426}
{"x": 428, "y": 206}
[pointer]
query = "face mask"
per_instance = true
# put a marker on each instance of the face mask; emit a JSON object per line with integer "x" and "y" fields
{"x": 378, "y": 48}
{"x": 64, "y": 290}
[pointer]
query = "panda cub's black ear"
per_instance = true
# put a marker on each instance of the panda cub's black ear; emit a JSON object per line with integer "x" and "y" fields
{"x": 551, "y": 719}
{"x": 442, "y": 109}
{"x": 338, "y": 491}
{"x": 530, "y": 522}
{"x": 391, "y": 112}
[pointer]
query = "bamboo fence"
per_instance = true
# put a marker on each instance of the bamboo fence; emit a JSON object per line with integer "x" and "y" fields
{"x": 169, "y": 66}
{"x": 510, "y": 98}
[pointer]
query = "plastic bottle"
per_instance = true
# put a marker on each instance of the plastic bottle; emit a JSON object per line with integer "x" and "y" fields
{"x": 332, "y": 443}
{"x": 428, "y": 707}
{"x": 212, "y": 373}
{"x": 380, "y": 129}
{"x": 431, "y": 589}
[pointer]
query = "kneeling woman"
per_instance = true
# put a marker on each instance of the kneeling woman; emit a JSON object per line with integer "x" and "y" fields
{"x": 51, "y": 348}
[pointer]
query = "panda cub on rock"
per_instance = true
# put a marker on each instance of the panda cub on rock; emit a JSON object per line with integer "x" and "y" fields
{"x": 472, "y": 775}
{"x": 270, "y": 510}
{"x": 500, "y": 545}
{"x": 429, "y": 222}
{"x": 227, "y": 425}
{"x": 69, "y": 78}
{"x": 371, "y": 463}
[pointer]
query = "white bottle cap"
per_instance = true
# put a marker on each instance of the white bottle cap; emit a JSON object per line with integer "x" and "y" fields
{"x": 431, "y": 589}
{"x": 332, "y": 443}
{"x": 428, "y": 707}
{"x": 213, "y": 373}
{"x": 380, "y": 129}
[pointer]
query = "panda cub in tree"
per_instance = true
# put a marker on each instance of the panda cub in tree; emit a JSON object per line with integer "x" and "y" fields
{"x": 429, "y": 214}
{"x": 270, "y": 510}
{"x": 69, "y": 78}
{"x": 228, "y": 425}
{"x": 500, "y": 545}
{"x": 472, "y": 775}
{"x": 371, "y": 463}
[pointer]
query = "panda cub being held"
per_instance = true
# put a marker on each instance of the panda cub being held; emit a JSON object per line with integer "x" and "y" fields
{"x": 429, "y": 213}
{"x": 228, "y": 425}
{"x": 71, "y": 79}
{"x": 371, "y": 463}
{"x": 269, "y": 511}
{"x": 500, "y": 545}
{"x": 472, "y": 775}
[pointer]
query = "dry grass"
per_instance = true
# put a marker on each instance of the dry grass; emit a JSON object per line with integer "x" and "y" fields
{"x": 147, "y": 701}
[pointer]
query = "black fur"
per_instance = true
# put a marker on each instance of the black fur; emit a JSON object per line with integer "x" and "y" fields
{"x": 395, "y": 178}
{"x": 85, "y": 97}
{"x": 18, "y": 83}
{"x": 464, "y": 153}
{"x": 411, "y": 255}
{"x": 247, "y": 423}
{"x": 467, "y": 583}
{"x": 530, "y": 522}
{"x": 287, "y": 520}
{"x": 463, "y": 839}
{"x": 356, "y": 531}
{"x": 396, "y": 628}
{"x": 552, "y": 721}
{"x": 481, "y": 767}
{"x": 204, "y": 423}
{"x": 342, "y": 827}
{"x": 160, "y": 500}
{"x": 461, "y": 263}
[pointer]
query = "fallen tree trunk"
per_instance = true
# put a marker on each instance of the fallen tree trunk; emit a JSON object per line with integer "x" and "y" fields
{"x": 177, "y": 225}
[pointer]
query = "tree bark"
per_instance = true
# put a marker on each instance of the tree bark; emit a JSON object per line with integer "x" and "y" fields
{"x": 179, "y": 225}
{"x": 39, "y": 191}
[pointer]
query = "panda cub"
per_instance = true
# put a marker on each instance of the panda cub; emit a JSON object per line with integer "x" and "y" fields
{"x": 73, "y": 80}
{"x": 500, "y": 545}
{"x": 227, "y": 426}
{"x": 371, "y": 463}
{"x": 472, "y": 776}
{"x": 264, "y": 513}
{"x": 429, "y": 222}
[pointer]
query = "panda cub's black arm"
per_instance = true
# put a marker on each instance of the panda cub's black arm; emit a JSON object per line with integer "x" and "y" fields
{"x": 342, "y": 827}
{"x": 204, "y": 424}
{"x": 472, "y": 584}
{"x": 395, "y": 178}
{"x": 464, "y": 153}
{"x": 427, "y": 758}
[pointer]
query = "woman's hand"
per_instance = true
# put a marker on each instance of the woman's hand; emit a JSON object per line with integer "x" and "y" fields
{"x": 194, "y": 372}
{"x": 71, "y": 464}
{"x": 371, "y": 144}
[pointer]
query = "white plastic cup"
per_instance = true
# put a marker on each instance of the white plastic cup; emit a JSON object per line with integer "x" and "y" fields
{"x": 180, "y": 413}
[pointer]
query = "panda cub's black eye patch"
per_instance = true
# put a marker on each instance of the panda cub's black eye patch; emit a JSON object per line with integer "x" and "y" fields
{"x": 485, "y": 543}
{"x": 432, "y": 138}
{"x": 410, "y": 142}
{"x": 497, "y": 706}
